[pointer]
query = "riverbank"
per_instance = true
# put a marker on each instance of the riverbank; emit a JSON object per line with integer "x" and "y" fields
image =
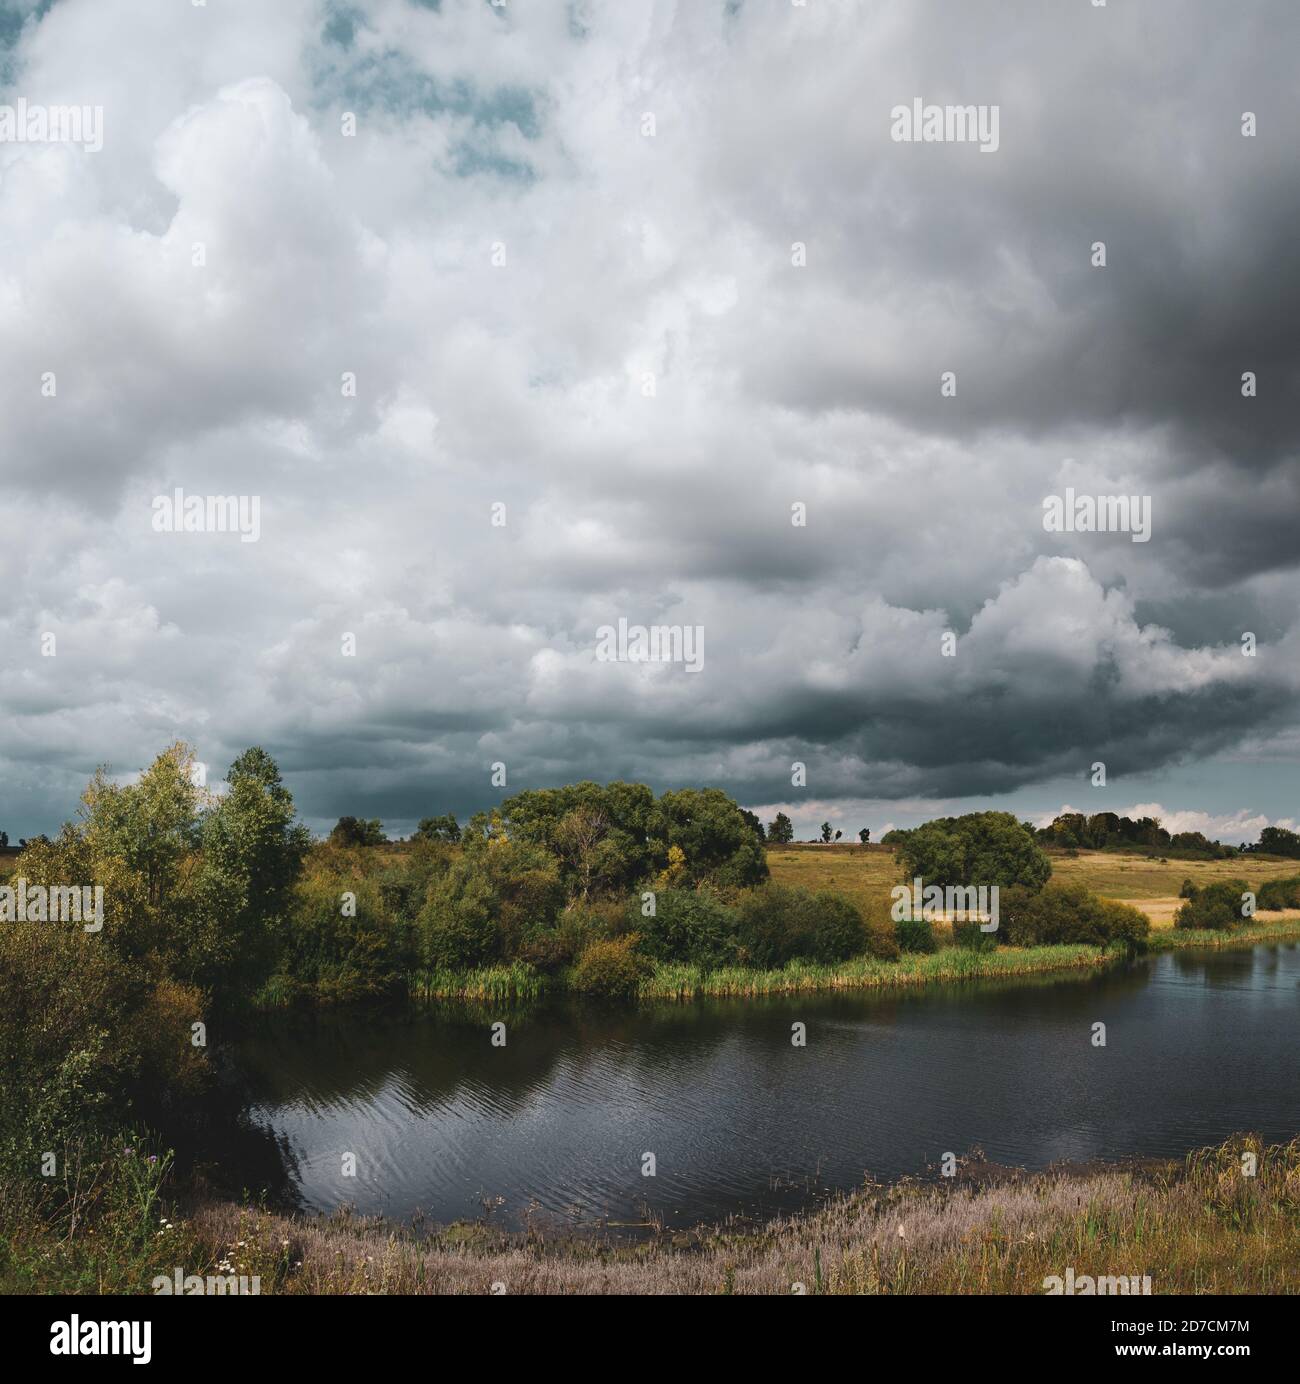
{"x": 1199, "y": 1225}
{"x": 679, "y": 982}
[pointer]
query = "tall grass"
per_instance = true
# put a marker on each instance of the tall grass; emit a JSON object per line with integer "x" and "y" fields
{"x": 509, "y": 982}
{"x": 679, "y": 981}
{"x": 1170, "y": 939}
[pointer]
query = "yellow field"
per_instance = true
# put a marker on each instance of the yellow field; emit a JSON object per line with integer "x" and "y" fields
{"x": 866, "y": 877}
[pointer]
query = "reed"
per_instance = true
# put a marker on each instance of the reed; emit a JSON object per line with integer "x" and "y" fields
{"x": 509, "y": 982}
{"x": 678, "y": 981}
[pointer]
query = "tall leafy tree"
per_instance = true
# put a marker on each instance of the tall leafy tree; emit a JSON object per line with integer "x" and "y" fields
{"x": 780, "y": 830}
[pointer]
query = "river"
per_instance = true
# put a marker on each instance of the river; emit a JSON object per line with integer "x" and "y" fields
{"x": 554, "y": 1126}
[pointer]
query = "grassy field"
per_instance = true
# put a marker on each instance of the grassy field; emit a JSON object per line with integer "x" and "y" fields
{"x": 1150, "y": 885}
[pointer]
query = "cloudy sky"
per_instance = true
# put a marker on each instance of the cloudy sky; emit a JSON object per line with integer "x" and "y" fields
{"x": 554, "y": 243}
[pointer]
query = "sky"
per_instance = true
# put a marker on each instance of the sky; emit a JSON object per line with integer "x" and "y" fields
{"x": 518, "y": 321}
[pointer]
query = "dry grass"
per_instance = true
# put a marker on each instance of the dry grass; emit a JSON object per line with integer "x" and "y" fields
{"x": 1200, "y": 1226}
{"x": 867, "y": 876}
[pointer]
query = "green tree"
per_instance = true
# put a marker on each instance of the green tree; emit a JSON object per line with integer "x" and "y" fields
{"x": 1279, "y": 841}
{"x": 780, "y": 830}
{"x": 755, "y": 824}
{"x": 444, "y": 828}
{"x": 252, "y": 855}
{"x": 358, "y": 831}
{"x": 720, "y": 848}
{"x": 979, "y": 848}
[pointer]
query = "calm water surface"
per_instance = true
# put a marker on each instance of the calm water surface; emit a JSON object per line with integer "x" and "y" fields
{"x": 740, "y": 1121}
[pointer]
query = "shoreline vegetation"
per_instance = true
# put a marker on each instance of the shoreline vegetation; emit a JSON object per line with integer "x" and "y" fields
{"x": 950, "y": 964}
{"x": 1191, "y": 1225}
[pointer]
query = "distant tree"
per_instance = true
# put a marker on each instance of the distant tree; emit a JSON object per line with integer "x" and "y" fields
{"x": 838, "y": 834}
{"x": 358, "y": 831}
{"x": 4, "y": 838}
{"x": 978, "y": 848}
{"x": 755, "y": 824}
{"x": 864, "y": 835}
{"x": 780, "y": 830}
{"x": 444, "y": 828}
{"x": 1279, "y": 841}
{"x": 826, "y": 831}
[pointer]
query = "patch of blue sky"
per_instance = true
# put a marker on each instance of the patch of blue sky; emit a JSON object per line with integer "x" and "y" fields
{"x": 390, "y": 82}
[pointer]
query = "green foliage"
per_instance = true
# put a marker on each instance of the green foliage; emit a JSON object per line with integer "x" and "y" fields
{"x": 457, "y": 925}
{"x": 1066, "y": 913}
{"x": 970, "y": 936}
{"x": 445, "y": 828}
{"x": 109, "y": 1032}
{"x": 1217, "y": 906}
{"x": 597, "y": 834}
{"x": 358, "y": 831}
{"x": 199, "y": 883}
{"x": 685, "y": 926}
{"x": 780, "y": 830}
{"x": 500, "y": 899}
{"x": 1279, "y": 893}
{"x": 915, "y": 935}
{"x": 608, "y": 839}
{"x": 776, "y": 924}
{"x": 980, "y": 848}
{"x": 343, "y": 943}
{"x": 720, "y": 848}
{"x": 610, "y": 969}
{"x": 1280, "y": 841}
{"x": 252, "y": 855}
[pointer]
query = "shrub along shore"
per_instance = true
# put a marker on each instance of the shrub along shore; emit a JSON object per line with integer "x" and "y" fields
{"x": 681, "y": 981}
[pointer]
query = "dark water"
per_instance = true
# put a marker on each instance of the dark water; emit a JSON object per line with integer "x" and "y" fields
{"x": 1198, "y": 1046}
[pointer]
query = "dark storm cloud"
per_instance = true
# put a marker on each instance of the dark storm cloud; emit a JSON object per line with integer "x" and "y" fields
{"x": 618, "y": 349}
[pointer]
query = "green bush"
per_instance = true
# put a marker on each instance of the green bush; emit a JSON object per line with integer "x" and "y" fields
{"x": 1216, "y": 906}
{"x": 499, "y": 899}
{"x": 341, "y": 948}
{"x": 773, "y": 926}
{"x": 915, "y": 935}
{"x": 1188, "y": 891}
{"x": 968, "y": 934}
{"x": 837, "y": 931}
{"x": 610, "y": 969}
{"x": 686, "y": 926}
{"x": 1123, "y": 923}
{"x": 458, "y": 929}
{"x": 1066, "y": 913}
{"x": 776, "y": 924}
{"x": 1278, "y": 893}
{"x": 86, "y": 1039}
